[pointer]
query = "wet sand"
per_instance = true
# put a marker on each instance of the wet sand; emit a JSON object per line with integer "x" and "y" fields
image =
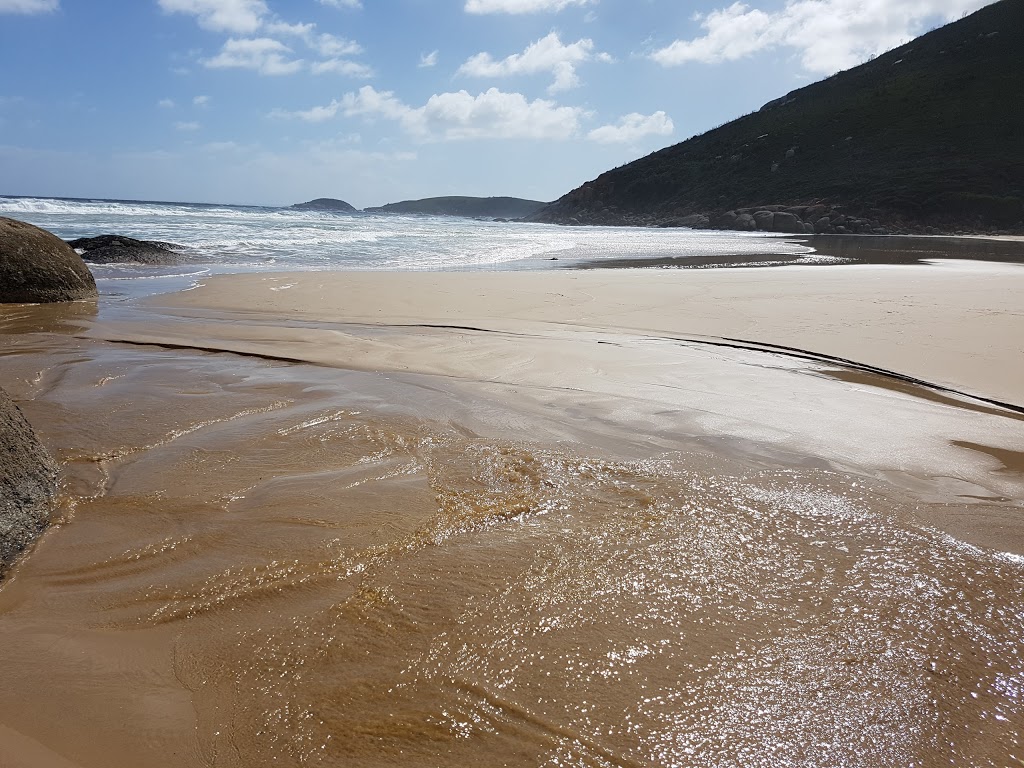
{"x": 572, "y": 518}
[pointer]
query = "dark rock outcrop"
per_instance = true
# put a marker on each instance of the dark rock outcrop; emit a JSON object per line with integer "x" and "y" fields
{"x": 28, "y": 483}
{"x": 37, "y": 267}
{"x": 325, "y": 204}
{"x": 115, "y": 249}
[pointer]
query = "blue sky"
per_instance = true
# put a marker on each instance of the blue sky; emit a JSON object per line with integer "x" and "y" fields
{"x": 373, "y": 101}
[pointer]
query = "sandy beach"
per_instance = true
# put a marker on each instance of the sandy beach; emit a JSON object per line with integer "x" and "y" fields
{"x": 607, "y": 517}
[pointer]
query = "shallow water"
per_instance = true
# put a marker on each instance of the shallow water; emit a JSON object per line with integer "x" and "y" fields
{"x": 271, "y": 564}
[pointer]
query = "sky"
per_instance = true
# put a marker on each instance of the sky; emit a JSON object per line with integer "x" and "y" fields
{"x": 272, "y": 102}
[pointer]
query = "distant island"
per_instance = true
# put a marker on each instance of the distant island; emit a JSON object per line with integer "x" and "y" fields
{"x": 473, "y": 207}
{"x": 926, "y": 138}
{"x": 328, "y": 204}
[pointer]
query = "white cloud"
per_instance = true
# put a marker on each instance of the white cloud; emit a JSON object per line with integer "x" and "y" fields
{"x": 429, "y": 59}
{"x": 494, "y": 114}
{"x": 519, "y": 6}
{"x": 264, "y": 55}
{"x": 342, "y": 67}
{"x": 235, "y": 16}
{"x": 313, "y": 115}
{"x": 304, "y": 31}
{"x": 166, "y": 103}
{"x": 342, "y": 3}
{"x": 201, "y": 101}
{"x": 189, "y": 126}
{"x": 456, "y": 116}
{"x": 829, "y": 34}
{"x": 329, "y": 45}
{"x": 632, "y": 127}
{"x": 28, "y": 6}
{"x": 545, "y": 55}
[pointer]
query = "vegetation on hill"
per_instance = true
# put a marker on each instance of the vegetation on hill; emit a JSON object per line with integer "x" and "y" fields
{"x": 927, "y": 136}
{"x": 327, "y": 204}
{"x": 475, "y": 207}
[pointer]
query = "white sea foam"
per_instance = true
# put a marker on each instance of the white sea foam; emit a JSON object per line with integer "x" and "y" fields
{"x": 238, "y": 238}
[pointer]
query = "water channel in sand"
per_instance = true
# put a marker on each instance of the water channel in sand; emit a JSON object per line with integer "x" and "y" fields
{"x": 271, "y": 563}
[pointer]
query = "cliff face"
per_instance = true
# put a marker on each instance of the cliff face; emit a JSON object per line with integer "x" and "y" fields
{"x": 928, "y": 135}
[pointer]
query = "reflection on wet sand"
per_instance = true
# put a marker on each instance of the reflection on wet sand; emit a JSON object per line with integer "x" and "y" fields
{"x": 266, "y": 563}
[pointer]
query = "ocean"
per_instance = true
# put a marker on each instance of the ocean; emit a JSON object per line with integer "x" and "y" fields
{"x": 228, "y": 238}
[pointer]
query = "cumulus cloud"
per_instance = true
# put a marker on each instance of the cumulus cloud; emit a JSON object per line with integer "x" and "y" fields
{"x": 201, "y": 101}
{"x": 235, "y": 16}
{"x": 187, "y": 126}
{"x": 266, "y": 54}
{"x": 303, "y": 31}
{"x": 519, "y": 6}
{"x": 545, "y": 55}
{"x": 456, "y": 116}
{"x": 166, "y": 103}
{"x": 429, "y": 59}
{"x": 829, "y": 34}
{"x": 28, "y": 6}
{"x": 632, "y": 127}
{"x": 263, "y": 54}
{"x": 342, "y": 3}
{"x": 329, "y": 45}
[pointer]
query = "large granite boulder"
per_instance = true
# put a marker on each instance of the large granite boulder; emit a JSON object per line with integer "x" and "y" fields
{"x": 745, "y": 223}
{"x": 115, "y": 249}
{"x": 37, "y": 267}
{"x": 764, "y": 219}
{"x": 28, "y": 483}
{"x": 787, "y": 222}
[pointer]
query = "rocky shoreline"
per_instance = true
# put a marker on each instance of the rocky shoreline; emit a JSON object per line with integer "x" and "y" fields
{"x": 809, "y": 219}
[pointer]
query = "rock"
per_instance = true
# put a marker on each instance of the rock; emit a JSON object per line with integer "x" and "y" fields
{"x": 745, "y": 223}
{"x": 824, "y": 224}
{"x": 37, "y": 267}
{"x": 808, "y": 228}
{"x": 814, "y": 212}
{"x": 115, "y": 249}
{"x": 786, "y": 222}
{"x": 28, "y": 483}
{"x": 695, "y": 221}
{"x": 764, "y": 220}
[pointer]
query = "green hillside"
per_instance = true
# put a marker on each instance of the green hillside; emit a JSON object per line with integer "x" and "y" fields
{"x": 928, "y": 135}
{"x": 475, "y": 207}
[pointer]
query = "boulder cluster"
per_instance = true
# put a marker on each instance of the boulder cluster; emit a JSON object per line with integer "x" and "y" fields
{"x": 791, "y": 219}
{"x": 801, "y": 219}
